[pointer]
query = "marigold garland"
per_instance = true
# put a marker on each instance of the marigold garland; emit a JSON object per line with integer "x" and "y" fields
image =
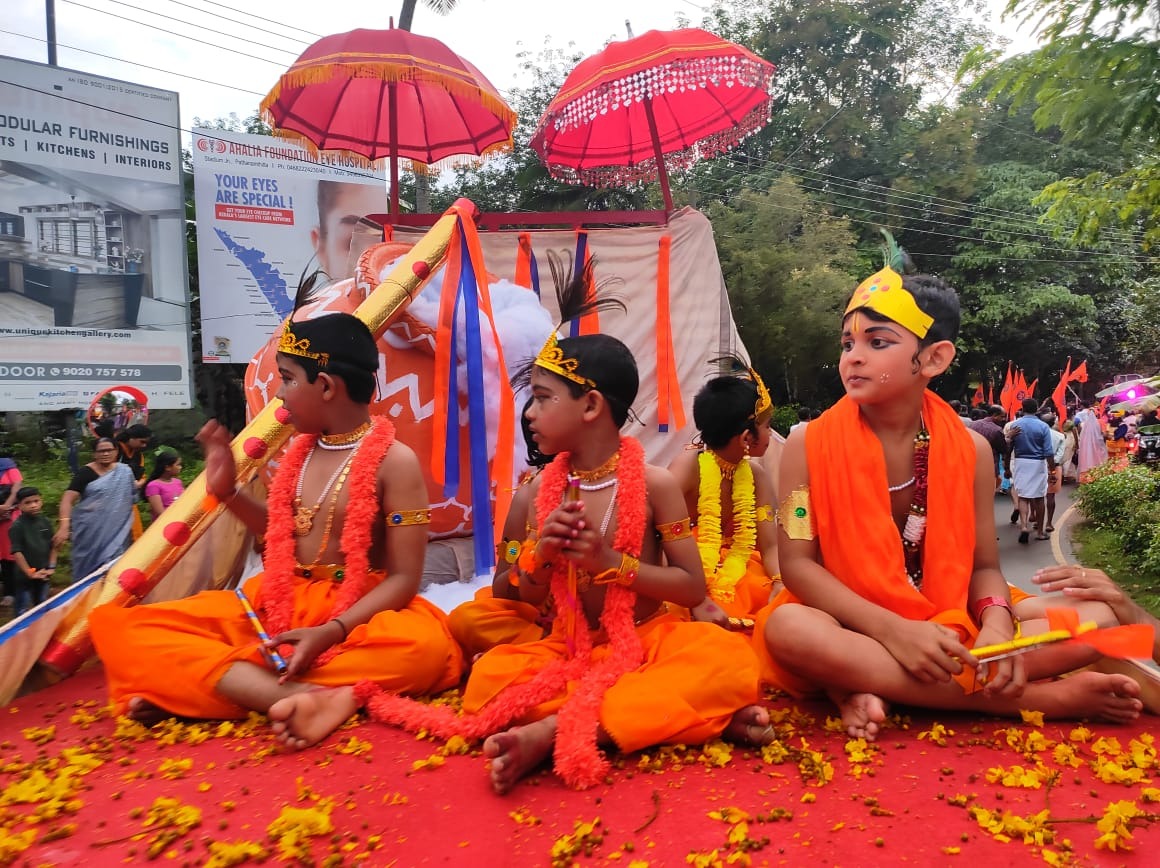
{"x": 723, "y": 574}
{"x": 577, "y": 757}
{"x": 362, "y": 508}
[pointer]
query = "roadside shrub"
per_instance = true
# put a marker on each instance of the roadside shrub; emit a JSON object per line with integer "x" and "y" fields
{"x": 1126, "y": 503}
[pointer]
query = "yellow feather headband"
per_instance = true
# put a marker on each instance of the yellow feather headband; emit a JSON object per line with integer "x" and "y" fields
{"x": 884, "y": 293}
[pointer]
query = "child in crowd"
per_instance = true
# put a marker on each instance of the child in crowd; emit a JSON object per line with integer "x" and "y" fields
{"x": 345, "y": 527}
{"x": 33, "y": 550}
{"x": 610, "y": 544}
{"x": 729, "y": 495}
{"x": 164, "y": 484}
{"x": 887, "y": 541}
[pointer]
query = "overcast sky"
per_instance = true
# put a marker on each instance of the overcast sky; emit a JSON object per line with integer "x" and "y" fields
{"x": 245, "y": 64}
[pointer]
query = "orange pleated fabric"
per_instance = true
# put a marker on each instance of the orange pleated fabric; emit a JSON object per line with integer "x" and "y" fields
{"x": 693, "y": 679}
{"x": 173, "y": 654}
{"x": 858, "y": 540}
{"x": 485, "y": 622}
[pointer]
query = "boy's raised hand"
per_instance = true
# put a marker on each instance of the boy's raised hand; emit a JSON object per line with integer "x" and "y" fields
{"x": 930, "y": 652}
{"x": 221, "y": 470}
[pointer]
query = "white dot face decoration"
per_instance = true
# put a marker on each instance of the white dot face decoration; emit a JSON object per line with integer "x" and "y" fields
{"x": 115, "y": 409}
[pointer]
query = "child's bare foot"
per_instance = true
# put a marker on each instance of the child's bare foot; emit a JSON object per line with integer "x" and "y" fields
{"x": 518, "y": 751}
{"x": 750, "y": 726}
{"x": 863, "y": 714}
{"x": 145, "y": 712}
{"x": 304, "y": 719}
{"x": 1114, "y": 698}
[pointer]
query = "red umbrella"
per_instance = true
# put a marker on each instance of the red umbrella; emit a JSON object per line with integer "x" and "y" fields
{"x": 651, "y": 104}
{"x": 388, "y": 94}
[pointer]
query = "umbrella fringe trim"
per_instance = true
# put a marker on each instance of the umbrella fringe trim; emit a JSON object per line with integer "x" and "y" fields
{"x": 306, "y": 144}
{"x": 433, "y": 168}
{"x": 645, "y": 170}
{"x": 388, "y": 72}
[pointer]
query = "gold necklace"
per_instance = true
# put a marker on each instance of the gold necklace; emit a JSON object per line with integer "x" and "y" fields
{"x": 326, "y": 528}
{"x": 340, "y": 441}
{"x": 603, "y": 470}
{"x": 304, "y": 515}
{"x": 727, "y": 468}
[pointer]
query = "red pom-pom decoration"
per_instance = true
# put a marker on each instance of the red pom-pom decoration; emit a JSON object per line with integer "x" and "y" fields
{"x": 255, "y": 447}
{"x": 132, "y": 581}
{"x": 282, "y": 415}
{"x": 421, "y": 269}
{"x": 177, "y": 532}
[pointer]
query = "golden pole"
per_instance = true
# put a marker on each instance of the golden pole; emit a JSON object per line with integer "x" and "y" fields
{"x": 148, "y": 560}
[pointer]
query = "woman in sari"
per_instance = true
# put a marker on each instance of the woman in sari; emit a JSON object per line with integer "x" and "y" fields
{"x": 96, "y": 512}
{"x": 1093, "y": 449}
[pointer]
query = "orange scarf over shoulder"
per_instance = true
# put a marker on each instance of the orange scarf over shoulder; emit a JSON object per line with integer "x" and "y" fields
{"x": 858, "y": 539}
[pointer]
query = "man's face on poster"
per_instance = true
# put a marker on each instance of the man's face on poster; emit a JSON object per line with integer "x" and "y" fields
{"x": 337, "y": 219}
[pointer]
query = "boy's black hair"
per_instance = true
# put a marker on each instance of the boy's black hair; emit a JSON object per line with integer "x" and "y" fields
{"x": 135, "y": 431}
{"x": 352, "y": 353}
{"x": 934, "y": 297}
{"x": 723, "y": 408}
{"x": 608, "y": 363}
{"x": 27, "y": 492}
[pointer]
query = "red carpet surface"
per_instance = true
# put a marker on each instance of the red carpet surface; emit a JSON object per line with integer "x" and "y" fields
{"x": 78, "y": 787}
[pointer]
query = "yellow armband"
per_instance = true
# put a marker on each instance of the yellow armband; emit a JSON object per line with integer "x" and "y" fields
{"x": 764, "y": 512}
{"x": 796, "y": 516}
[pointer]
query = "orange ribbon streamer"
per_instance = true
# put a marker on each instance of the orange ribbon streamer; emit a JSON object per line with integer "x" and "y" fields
{"x": 668, "y": 384}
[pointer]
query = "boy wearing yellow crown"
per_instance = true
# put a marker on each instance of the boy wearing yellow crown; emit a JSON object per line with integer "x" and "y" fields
{"x": 887, "y": 538}
{"x": 345, "y": 529}
{"x": 729, "y": 495}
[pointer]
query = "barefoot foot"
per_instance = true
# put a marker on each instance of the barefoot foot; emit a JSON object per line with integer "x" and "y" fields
{"x": 304, "y": 719}
{"x": 862, "y": 713}
{"x": 145, "y": 712}
{"x": 751, "y": 726}
{"x": 1093, "y": 695}
{"x": 518, "y": 751}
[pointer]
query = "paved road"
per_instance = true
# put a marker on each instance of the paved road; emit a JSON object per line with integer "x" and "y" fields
{"x": 1019, "y": 562}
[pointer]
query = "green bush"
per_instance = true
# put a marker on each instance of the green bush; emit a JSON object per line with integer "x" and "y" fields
{"x": 1126, "y": 503}
{"x": 783, "y": 417}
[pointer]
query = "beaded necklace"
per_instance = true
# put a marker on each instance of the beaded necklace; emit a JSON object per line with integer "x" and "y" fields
{"x": 914, "y": 530}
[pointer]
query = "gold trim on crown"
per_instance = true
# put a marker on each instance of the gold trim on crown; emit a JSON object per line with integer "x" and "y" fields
{"x": 551, "y": 358}
{"x": 883, "y": 292}
{"x": 763, "y": 409}
{"x": 293, "y": 346}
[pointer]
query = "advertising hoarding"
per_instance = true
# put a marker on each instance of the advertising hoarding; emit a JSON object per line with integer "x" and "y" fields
{"x": 93, "y": 285}
{"x": 268, "y": 212}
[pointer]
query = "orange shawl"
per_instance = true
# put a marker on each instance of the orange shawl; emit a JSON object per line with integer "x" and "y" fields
{"x": 858, "y": 539}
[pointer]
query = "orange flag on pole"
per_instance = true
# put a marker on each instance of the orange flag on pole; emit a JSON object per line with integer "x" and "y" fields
{"x": 1031, "y": 388}
{"x": 1007, "y": 392}
{"x": 991, "y": 393}
{"x": 978, "y": 398}
{"x": 1080, "y": 374}
{"x": 1059, "y": 394}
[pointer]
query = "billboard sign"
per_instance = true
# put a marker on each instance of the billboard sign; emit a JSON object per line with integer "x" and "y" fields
{"x": 93, "y": 285}
{"x": 268, "y": 212}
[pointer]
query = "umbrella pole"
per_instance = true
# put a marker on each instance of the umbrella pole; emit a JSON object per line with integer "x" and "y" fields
{"x": 393, "y": 130}
{"x": 662, "y": 171}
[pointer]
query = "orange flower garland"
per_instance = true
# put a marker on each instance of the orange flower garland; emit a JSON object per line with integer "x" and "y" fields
{"x": 577, "y": 758}
{"x": 362, "y": 509}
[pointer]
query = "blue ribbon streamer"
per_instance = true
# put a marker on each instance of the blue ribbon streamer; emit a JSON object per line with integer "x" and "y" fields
{"x": 535, "y": 270}
{"x": 578, "y": 264}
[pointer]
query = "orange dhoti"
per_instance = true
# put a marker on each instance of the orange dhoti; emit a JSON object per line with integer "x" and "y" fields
{"x": 694, "y": 678}
{"x": 750, "y": 593}
{"x": 487, "y": 621}
{"x": 174, "y": 654}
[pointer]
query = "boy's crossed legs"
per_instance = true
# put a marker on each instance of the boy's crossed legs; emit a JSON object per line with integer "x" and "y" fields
{"x": 862, "y": 677}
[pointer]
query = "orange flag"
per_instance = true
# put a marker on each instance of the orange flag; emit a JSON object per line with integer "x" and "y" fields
{"x": 991, "y": 393}
{"x": 1059, "y": 394}
{"x": 1080, "y": 374}
{"x": 978, "y": 398}
{"x": 1031, "y": 388}
{"x": 1020, "y": 387}
{"x": 1007, "y": 392}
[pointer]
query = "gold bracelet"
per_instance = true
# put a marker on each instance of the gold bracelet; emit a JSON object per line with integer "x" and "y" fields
{"x": 623, "y": 575}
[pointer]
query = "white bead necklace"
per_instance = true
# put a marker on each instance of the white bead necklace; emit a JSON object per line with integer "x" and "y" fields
{"x": 893, "y": 488}
{"x": 598, "y": 486}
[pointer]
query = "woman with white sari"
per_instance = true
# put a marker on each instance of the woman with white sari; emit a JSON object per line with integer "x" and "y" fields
{"x": 1093, "y": 449}
{"x": 96, "y": 512}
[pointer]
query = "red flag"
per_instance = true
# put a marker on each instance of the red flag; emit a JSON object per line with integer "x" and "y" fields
{"x": 1007, "y": 392}
{"x": 978, "y": 399}
{"x": 1059, "y": 394}
{"x": 1080, "y": 374}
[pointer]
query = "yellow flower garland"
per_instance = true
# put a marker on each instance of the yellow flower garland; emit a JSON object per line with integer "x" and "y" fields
{"x": 723, "y": 574}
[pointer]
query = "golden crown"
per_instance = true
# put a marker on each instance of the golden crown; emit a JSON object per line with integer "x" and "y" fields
{"x": 552, "y": 358}
{"x": 292, "y": 346}
{"x": 763, "y": 410}
{"x": 883, "y": 292}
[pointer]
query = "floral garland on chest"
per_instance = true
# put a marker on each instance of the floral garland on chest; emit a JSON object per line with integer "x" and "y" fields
{"x": 723, "y": 573}
{"x": 362, "y": 510}
{"x": 578, "y": 759}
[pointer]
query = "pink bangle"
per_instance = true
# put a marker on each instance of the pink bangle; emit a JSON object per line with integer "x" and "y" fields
{"x": 987, "y": 602}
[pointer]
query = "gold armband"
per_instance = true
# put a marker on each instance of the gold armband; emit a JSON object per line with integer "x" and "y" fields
{"x": 764, "y": 512}
{"x": 796, "y": 516}
{"x": 405, "y": 517}
{"x": 675, "y": 530}
{"x": 508, "y": 551}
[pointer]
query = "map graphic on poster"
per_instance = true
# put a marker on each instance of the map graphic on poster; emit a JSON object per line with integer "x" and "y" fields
{"x": 93, "y": 286}
{"x": 268, "y": 213}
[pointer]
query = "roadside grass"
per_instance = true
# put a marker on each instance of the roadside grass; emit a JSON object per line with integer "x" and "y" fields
{"x": 1103, "y": 549}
